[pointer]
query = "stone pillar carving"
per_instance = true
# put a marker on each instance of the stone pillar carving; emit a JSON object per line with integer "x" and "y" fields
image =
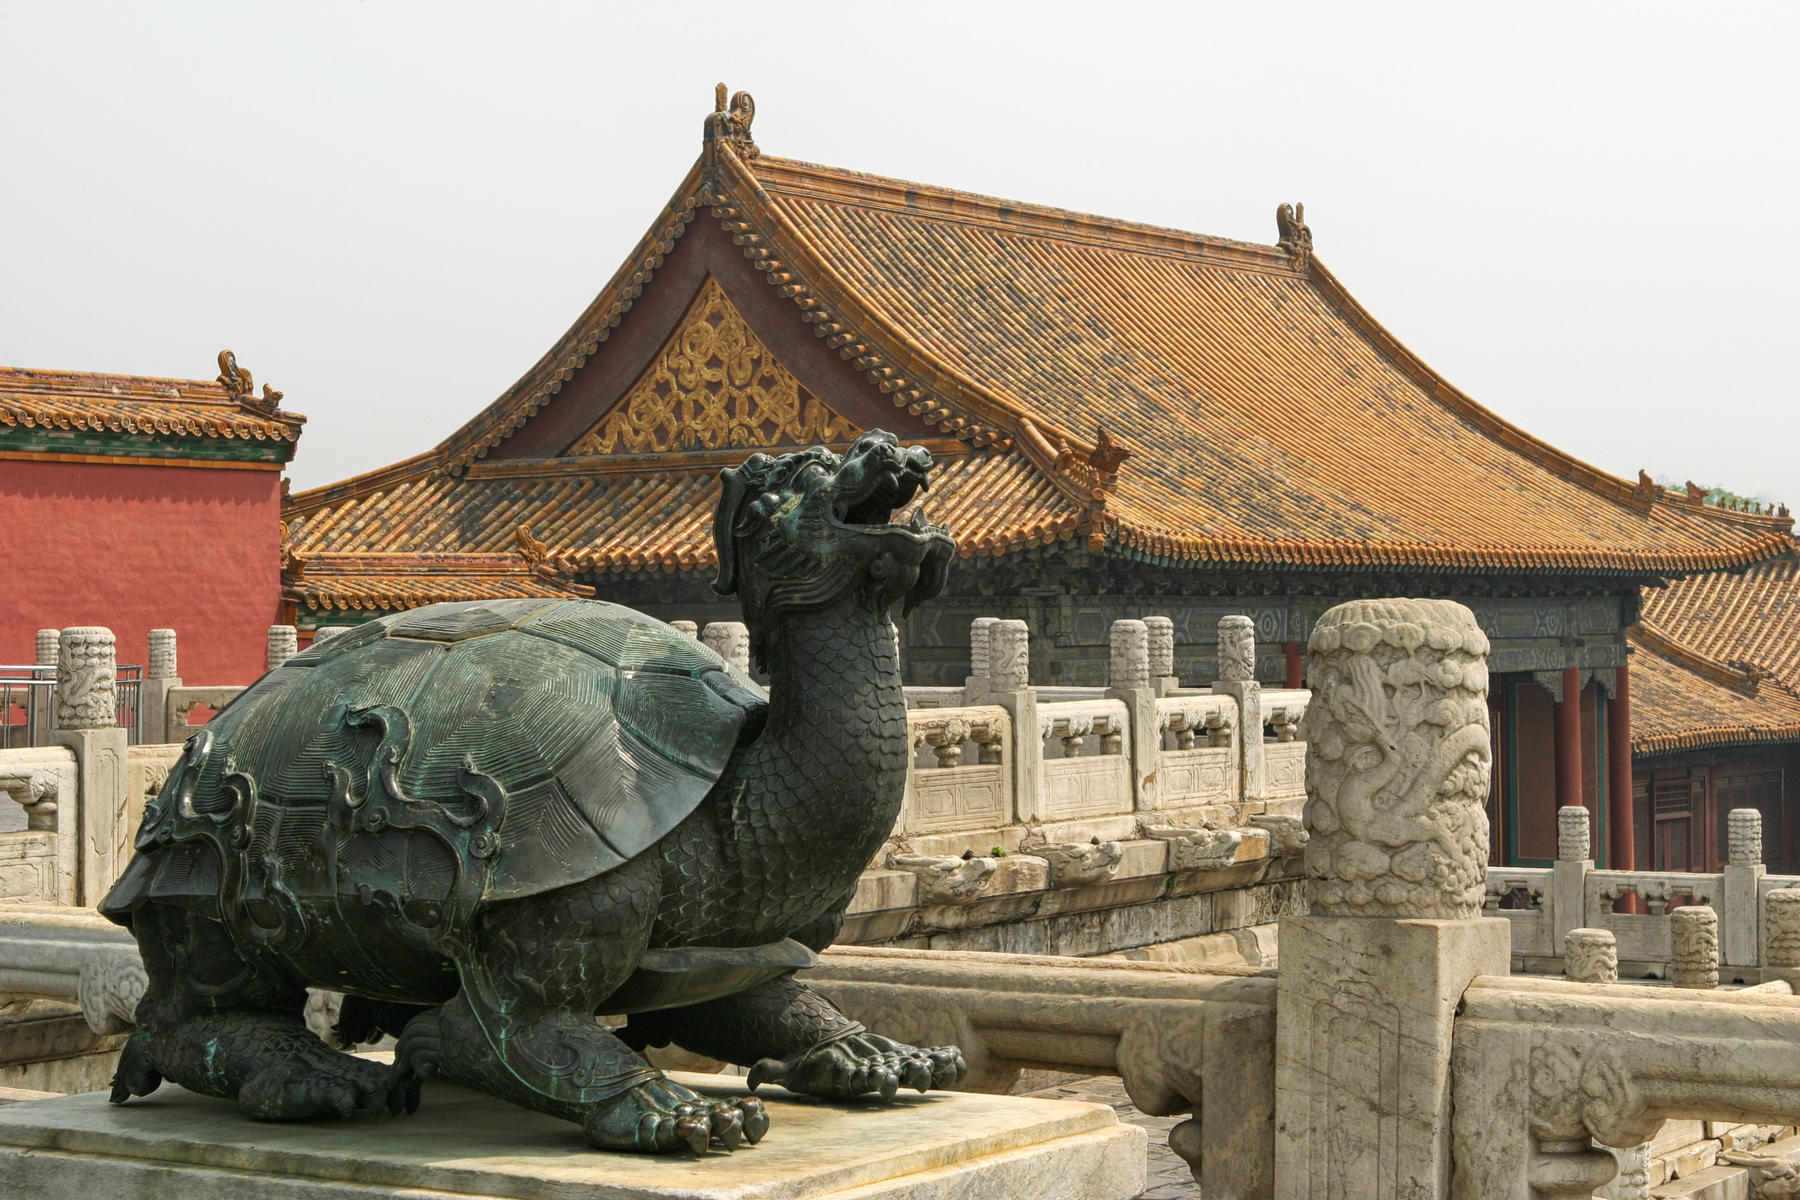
{"x": 1740, "y": 936}
{"x": 1397, "y": 772}
{"x": 1783, "y": 924}
{"x": 730, "y": 640}
{"x": 1162, "y": 655}
{"x": 1397, "y": 760}
{"x": 1009, "y": 656}
{"x": 1567, "y": 898}
{"x": 86, "y": 676}
{"x": 1572, "y": 832}
{"x": 1237, "y": 649}
{"x": 284, "y": 643}
{"x": 162, "y": 675}
{"x": 976, "y": 683}
{"x": 687, "y": 627}
{"x": 1129, "y": 642}
{"x": 1009, "y": 685}
{"x": 162, "y": 654}
{"x": 1237, "y": 679}
{"x": 1694, "y": 940}
{"x": 87, "y": 723}
{"x": 1591, "y": 956}
{"x": 1132, "y": 682}
{"x": 1744, "y": 836}
{"x": 325, "y": 633}
{"x": 45, "y": 717}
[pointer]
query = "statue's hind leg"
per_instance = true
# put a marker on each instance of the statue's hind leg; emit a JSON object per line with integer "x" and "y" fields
{"x": 219, "y": 1026}
{"x": 524, "y": 1026}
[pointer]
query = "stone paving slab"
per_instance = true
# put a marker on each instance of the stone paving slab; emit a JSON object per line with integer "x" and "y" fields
{"x": 1166, "y": 1176}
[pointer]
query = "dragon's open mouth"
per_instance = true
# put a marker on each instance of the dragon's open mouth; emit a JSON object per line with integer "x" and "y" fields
{"x": 889, "y": 488}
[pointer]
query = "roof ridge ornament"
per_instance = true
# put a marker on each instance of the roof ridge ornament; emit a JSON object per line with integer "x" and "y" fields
{"x": 239, "y": 384}
{"x": 532, "y": 550}
{"x": 730, "y": 121}
{"x": 1095, "y": 471}
{"x": 1293, "y": 234}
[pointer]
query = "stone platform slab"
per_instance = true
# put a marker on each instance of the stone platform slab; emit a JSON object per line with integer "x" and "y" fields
{"x": 460, "y": 1144}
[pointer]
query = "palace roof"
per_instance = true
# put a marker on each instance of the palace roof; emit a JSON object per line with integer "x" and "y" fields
{"x": 58, "y": 413}
{"x": 1164, "y": 396}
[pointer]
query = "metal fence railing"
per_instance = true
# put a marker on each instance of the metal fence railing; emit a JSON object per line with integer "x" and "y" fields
{"x": 28, "y": 704}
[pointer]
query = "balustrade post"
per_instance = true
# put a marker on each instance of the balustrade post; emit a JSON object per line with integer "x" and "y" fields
{"x": 324, "y": 633}
{"x": 87, "y": 722}
{"x": 1591, "y": 956}
{"x": 1009, "y": 683}
{"x": 1740, "y": 916}
{"x": 1162, "y": 655}
{"x": 1694, "y": 942}
{"x": 1237, "y": 679}
{"x": 730, "y": 640}
{"x": 44, "y": 717}
{"x": 976, "y": 684}
{"x": 1781, "y": 957}
{"x": 284, "y": 643}
{"x": 1130, "y": 681}
{"x": 1567, "y": 893}
{"x": 162, "y": 674}
{"x": 1370, "y": 982}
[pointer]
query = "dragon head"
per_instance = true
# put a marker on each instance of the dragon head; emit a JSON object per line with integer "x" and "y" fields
{"x": 810, "y": 529}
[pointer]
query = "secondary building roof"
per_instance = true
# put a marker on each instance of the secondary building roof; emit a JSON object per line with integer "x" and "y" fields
{"x": 62, "y": 413}
{"x": 1164, "y": 396}
{"x": 1682, "y": 699}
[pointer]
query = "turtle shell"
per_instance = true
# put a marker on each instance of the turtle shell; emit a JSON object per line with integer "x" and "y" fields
{"x": 540, "y": 743}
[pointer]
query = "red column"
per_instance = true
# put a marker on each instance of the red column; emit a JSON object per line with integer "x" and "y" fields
{"x": 1618, "y": 775}
{"x": 1568, "y": 740}
{"x": 1296, "y": 669}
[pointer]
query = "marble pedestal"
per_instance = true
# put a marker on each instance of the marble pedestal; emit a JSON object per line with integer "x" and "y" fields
{"x": 940, "y": 1146}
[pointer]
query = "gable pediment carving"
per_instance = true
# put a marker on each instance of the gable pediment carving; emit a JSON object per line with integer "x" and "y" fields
{"x": 713, "y": 385}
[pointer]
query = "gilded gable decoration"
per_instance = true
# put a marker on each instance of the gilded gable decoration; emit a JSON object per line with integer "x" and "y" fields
{"x": 714, "y": 385}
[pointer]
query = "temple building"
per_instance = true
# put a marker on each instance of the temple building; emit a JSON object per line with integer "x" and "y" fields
{"x": 138, "y": 504}
{"x": 1716, "y": 673}
{"x": 1130, "y": 420}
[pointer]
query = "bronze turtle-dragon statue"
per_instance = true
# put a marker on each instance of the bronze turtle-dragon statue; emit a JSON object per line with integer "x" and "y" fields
{"x": 488, "y": 823}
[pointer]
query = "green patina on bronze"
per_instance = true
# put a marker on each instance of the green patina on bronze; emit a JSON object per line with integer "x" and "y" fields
{"x": 487, "y": 823}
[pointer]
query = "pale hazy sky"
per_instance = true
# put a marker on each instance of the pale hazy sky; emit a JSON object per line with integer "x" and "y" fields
{"x": 1576, "y": 212}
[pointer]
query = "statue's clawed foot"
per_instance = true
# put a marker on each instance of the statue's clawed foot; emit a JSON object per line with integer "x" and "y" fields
{"x": 663, "y": 1115}
{"x": 860, "y": 1064}
{"x": 325, "y": 1084}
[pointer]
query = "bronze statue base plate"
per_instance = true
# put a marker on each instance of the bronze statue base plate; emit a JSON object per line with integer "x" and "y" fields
{"x": 461, "y": 1144}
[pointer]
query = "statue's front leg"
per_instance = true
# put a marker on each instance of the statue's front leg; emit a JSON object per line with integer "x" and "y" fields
{"x": 787, "y": 1033}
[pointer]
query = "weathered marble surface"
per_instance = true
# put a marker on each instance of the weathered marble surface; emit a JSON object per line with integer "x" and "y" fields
{"x": 945, "y": 1146}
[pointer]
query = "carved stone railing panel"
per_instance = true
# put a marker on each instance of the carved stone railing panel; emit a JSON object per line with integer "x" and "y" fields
{"x": 1284, "y": 771}
{"x": 181, "y": 702}
{"x": 1520, "y": 895}
{"x": 1542, "y": 1067}
{"x": 1183, "y": 1039}
{"x": 1085, "y": 768}
{"x": 961, "y": 778}
{"x": 1283, "y": 709}
{"x": 39, "y": 863}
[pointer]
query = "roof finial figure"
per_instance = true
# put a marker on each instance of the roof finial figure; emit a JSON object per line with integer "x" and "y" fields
{"x": 730, "y": 121}
{"x": 236, "y": 380}
{"x": 240, "y": 386}
{"x": 531, "y": 549}
{"x": 1295, "y": 237}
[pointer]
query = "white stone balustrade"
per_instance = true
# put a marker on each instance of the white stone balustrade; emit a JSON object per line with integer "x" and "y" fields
{"x": 284, "y": 643}
{"x": 1545, "y": 903}
{"x": 730, "y": 640}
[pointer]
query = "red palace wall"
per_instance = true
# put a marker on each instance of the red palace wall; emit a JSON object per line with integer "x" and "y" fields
{"x": 136, "y": 548}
